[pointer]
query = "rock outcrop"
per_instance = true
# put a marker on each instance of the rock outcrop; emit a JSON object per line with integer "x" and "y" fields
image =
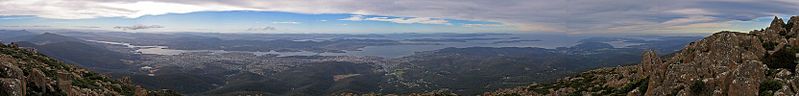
{"x": 725, "y": 62}
{"x": 26, "y": 73}
{"x": 761, "y": 62}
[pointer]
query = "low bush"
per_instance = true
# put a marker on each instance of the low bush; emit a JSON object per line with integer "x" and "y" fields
{"x": 768, "y": 87}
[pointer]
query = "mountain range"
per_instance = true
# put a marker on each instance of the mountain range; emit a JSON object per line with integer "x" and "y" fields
{"x": 465, "y": 71}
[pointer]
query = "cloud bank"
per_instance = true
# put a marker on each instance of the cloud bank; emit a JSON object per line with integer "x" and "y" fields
{"x": 138, "y": 27}
{"x": 266, "y": 28}
{"x": 401, "y": 20}
{"x": 572, "y": 16}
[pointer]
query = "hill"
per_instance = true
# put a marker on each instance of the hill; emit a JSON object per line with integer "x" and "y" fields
{"x": 76, "y": 51}
{"x": 26, "y": 72}
{"x": 761, "y": 62}
{"x": 12, "y": 35}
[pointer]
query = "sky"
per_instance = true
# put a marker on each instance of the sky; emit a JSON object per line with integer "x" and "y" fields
{"x": 397, "y": 16}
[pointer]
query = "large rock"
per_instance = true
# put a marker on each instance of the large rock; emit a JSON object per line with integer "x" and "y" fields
{"x": 39, "y": 79}
{"x": 746, "y": 79}
{"x": 715, "y": 59}
{"x": 11, "y": 78}
{"x": 8, "y": 70}
{"x": 793, "y": 27}
{"x": 774, "y": 33}
{"x": 649, "y": 62}
{"x": 11, "y": 87}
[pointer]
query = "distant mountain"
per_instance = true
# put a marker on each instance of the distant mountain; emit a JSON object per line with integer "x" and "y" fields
{"x": 14, "y": 35}
{"x": 761, "y": 62}
{"x": 28, "y": 73}
{"x": 77, "y": 51}
{"x": 47, "y": 38}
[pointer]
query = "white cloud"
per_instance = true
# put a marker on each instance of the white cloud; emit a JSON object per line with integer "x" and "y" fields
{"x": 28, "y": 26}
{"x": 138, "y": 27}
{"x": 266, "y": 28}
{"x": 401, "y": 20}
{"x": 354, "y": 18}
{"x": 81, "y": 9}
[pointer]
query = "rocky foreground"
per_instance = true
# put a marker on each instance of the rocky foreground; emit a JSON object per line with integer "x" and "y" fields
{"x": 24, "y": 72}
{"x": 761, "y": 62}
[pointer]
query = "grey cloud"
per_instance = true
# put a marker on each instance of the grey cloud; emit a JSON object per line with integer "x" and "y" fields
{"x": 555, "y": 15}
{"x": 86, "y": 26}
{"x": 578, "y": 16}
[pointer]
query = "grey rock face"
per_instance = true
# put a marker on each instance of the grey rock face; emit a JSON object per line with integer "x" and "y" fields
{"x": 729, "y": 63}
{"x": 722, "y": 59}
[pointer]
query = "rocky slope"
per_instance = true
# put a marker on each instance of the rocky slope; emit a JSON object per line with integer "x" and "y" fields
{"x": 761, "y": 62}
{"x": 25, "y": 72}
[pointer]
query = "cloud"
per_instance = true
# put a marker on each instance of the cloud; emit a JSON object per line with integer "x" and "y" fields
{"x": 86, "y": 26}
{"x": 28, "y": 26}
{"x": 14, "y": 18}
{"x": 401, "y": 20}
{"x": 287, "y": 22}
{"x": 266, "y": 28}
{"x": 354, "y": 18}
{"x": 82, "y": 9}
{"x": 138, "y": 27}
{"x": 482, "y": 25}
{"x": 578, "y": 16}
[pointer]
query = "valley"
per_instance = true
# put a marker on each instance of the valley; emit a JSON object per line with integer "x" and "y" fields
{"x": 471, "y": 65}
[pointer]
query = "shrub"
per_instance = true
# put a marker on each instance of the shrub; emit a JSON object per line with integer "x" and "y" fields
{"x": 768, "y": 87}
{"x": 784, "y": 58}
{"x": 698, "y": 87}
{"x": 770, "y": 45}
{"x": 641, "y": 84}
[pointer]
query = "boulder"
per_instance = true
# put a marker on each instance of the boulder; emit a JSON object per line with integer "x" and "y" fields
{"x": 783, "y": 73}
{"x": 746, "y": 79}
{"x": 11, "y": 87}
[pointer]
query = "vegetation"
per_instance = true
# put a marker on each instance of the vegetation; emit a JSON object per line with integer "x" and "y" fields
{"x": 770, "y": 45}
{"x": 641, "y": 84}
{"x": 698, "y": 87}
{"x": 784, "y": 58}
{"x": 768, "y": 87}
{"x": 589, "y": 81}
